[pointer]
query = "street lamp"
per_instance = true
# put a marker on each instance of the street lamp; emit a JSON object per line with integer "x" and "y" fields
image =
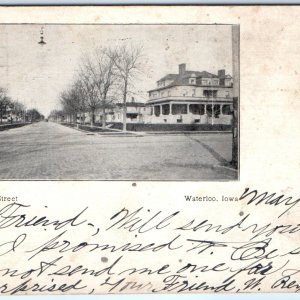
{"x": 42, "y": 42}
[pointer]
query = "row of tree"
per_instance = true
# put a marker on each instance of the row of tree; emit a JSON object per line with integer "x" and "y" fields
{"x": 105, "y": 75}
{"x": 13, "y": 110}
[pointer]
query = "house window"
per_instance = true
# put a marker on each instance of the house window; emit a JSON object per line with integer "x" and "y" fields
{"x": 184, "y": 93}
{"x": 215, "y": 110}
{"x": 165, "y": 109}
{"x": 157, "y": 110}
{"x": 192, "y": 81}
{"x": 131, "y": 116}
{"x": 197, "y": 109}
{"x": 227, "y": 82}
{"x": 209, "y": 110}
{"x": 210, "y": 93}
{"x": 194, "y": 93}
{"x": 178, "y": 109}
{"x": 169, "y": 93}
{"x": 226, "y": 110}
{"x": 207, "y": 93}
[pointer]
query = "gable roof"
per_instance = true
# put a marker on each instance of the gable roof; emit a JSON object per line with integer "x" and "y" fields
{"x": 168, "y": 77}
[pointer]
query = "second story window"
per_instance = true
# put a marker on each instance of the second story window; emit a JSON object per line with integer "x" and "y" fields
{"x": 210, "y": 93}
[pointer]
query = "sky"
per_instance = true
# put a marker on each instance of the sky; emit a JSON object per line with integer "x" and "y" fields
{"x": 35, "y": 75}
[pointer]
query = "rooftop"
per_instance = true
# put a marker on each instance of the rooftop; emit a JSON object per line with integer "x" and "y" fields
{"x": 182, "y": 78}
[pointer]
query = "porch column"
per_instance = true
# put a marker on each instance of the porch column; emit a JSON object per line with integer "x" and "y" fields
{"x": 212, "y": 113}
{"x": 170, "y": 112}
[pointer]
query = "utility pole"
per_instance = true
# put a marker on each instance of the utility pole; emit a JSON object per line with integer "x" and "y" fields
{"x": 236, "y": 94}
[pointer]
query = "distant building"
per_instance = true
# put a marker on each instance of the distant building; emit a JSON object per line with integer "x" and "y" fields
{"x": 135, "y": 112}
{"x": 191, "y": 97}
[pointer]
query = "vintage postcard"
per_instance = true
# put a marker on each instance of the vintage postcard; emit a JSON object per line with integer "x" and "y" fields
{"x": 149, "y": 149}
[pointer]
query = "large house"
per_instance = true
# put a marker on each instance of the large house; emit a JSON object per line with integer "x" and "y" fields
{"x": 191, "y": 97}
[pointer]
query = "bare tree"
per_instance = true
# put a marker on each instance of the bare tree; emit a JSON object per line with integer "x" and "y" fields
{"x": 89, "y": 88}
{"x": 98, "y": 78}
{"x": 5, "y": 101}
{"x": 104, "y": 74}
{"x": 56, "y": 115}
{"x": 68, "y": 103}
{"x": 18, "y": 110}
{"x": 127, "y": 59}
{"x": 81, "y": 103}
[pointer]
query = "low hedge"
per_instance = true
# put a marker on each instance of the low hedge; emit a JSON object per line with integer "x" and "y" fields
{"x": 172, "y": 127}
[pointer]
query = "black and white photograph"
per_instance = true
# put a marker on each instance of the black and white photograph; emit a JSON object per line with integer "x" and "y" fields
{"x": 119, "y": 102}
{"x": 149, "y": 150}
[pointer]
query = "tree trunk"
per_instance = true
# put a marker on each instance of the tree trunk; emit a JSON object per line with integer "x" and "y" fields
{"x": 104, "y": 117}
{"x": 93, "y": 118}
{"x": 124, "y": 107}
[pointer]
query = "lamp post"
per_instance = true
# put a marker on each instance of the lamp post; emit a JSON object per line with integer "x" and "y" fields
{"x": 236, "y": 94}
{"x": 42, "y": 42}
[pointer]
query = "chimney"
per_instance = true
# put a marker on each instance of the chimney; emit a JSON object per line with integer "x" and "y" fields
{"x": 221, "y": 73}
{"x": 182, "y": 69}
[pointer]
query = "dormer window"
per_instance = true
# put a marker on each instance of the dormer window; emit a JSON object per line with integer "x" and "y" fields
{"x": 192, "y": 81}
{"x": 215, "y": 82}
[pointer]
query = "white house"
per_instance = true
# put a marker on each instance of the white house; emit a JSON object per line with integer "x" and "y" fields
{"x": 191, "y": 97}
